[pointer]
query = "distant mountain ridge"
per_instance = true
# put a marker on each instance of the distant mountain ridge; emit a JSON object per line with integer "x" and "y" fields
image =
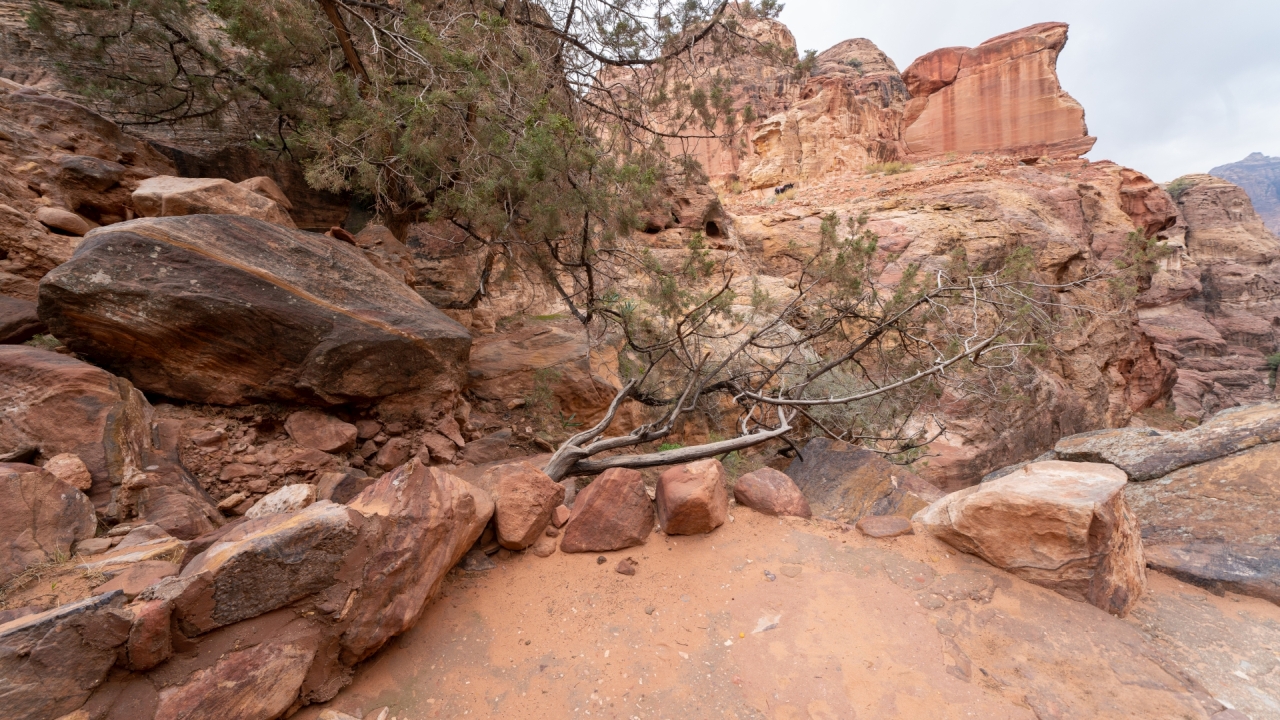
{"x": 1259, "y": 175}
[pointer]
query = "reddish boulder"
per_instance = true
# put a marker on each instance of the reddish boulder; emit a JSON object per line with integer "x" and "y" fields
{"x": 524, "y": 499}
{"x": 318, "y": 431}
{"x": 288, "y": 499}
{"x": 19, "y": 321}
{"x": 150, "y": 637}
{"x": 41, "y": 517}
{"x": 418, "y": 523}
{"x": 259, "y": 682}
{"x": 771, "y": 492}
{"x": 55, "y": 404}
{"x": 226, "y": 309}
{"x": 70, "y": 469}
{"x": 1064, "y": 526}
{"x": 612, "y": 513}
{"x": 395, "y": 453}
{"x": 1002, "y": 96}
{"x": 692, "y": 498}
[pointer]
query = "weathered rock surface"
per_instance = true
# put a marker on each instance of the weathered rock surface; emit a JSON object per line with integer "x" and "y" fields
{"x": 70, "y": 469}
{"x": 1002, "y": 96}
{"x": 1259, "y": 175}
{"x": 771, "y": 492}
{"x": 19, "y": 321}
{"x": 168, "y": 196}
{"x": 50, "y": 662}
{"x": 845, "y": 482}
{"x": 1064, "y": 526}
{"x": 41, "y": 517}
{"x": 316, "y": 430}
{"x": 612, "y": 513}
{"x": 1215, "y": 523}
{"x": 1146, "y": 454}
{"x": 692, "y": 499}
{"x": 541, "y": 359}
{"x": 64, "y": 159}
{"x": 419, "y": 522}
{"x": 232, "y": 309}
{"x": 54, "y": 404}
{"x": 259, "y": 682}
{"x": 288, "y": 499}
{"x": 884, "y": 526}
{"x": 524, "y": 498}
{"x": 136, "y": 578}
{"x": 268, "y": 563}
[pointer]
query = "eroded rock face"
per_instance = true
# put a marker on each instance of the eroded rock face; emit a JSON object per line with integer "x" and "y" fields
{"x": 772, "y": 493}
{"x": 692, "y": 499}
{"x": 41, "y": 517}
{"x": 1214, "y": 524}
{"x": 612, "y": 513}
{"x": 845, "y": 482}
{"x": 1217, "y": 304}
{"x": 1002, "y": 96}
{"x": 167, "y": 196}
{"x": 1064, "y": 526}
{"x": 19, "y": 321}
{"x": 227, "y": 309}
{"x": 69, "y": 163}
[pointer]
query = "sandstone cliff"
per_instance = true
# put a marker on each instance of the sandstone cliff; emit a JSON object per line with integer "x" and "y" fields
{"x": 1001, "y": 96}
{"x": 1259, "y": 175}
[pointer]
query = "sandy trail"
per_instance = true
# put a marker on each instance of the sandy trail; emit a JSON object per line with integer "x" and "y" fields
{"x": 848, "y": 628}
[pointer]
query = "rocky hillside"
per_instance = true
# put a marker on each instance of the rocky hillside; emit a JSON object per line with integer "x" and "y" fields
{"x": 1259, "y": 175}
{"x": 240, "y": 457}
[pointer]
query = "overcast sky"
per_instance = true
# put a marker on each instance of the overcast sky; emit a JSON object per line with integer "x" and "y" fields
{"x": 1169, "y": 87}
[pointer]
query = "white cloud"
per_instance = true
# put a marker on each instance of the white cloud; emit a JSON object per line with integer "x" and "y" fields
{"x": 1169, "y": 86}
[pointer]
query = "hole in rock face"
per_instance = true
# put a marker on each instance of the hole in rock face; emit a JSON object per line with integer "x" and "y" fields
{"x": 652, "y": 228}
{"x": 712, "y": 229}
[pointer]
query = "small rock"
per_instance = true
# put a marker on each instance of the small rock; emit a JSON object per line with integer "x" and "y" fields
{"x": 394, "y": 428}
{"x": 318, "y": 431}
{"x": 208, "y": 439}
{"x": 395, "y": 453}
{"x": 551, "y": 532}
{"x": 626, "y": 566}
{"x": 477, "y": 561}
{"x": 366, "y": 429}
{"x": 544, "y": 546}
{"x": 440, "y": 446}
{"x": 120, "y": 530}
{"x": 560, "y": 515}
{"x": 62, "y": 220}
{"x": 235, "y": 471}
{"x": 770, "y": 576}
{"x": 143, "y": 534}
{"x": 231, "y": 501}
{"x": 600, "y": 560}
{"x": 791, "y": 570}
{"x": 290, "y": 498}
{"x": 93, "y": 546}
{"x": 884, "y": 526}
{"x": 649, "y": 610}
{"x": 70, "y": 469}
{"x": 259, "y": 485}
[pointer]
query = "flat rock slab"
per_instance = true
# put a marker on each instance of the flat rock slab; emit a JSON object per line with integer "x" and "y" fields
{"x": 1148, "y": 454}
{"x": 884, "y": 526}
{"x": 226, "y": 309}
{"x": 1215, "y": 524}
{"x": 845, "y": 482}
{"x": 1061, "y": 525}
